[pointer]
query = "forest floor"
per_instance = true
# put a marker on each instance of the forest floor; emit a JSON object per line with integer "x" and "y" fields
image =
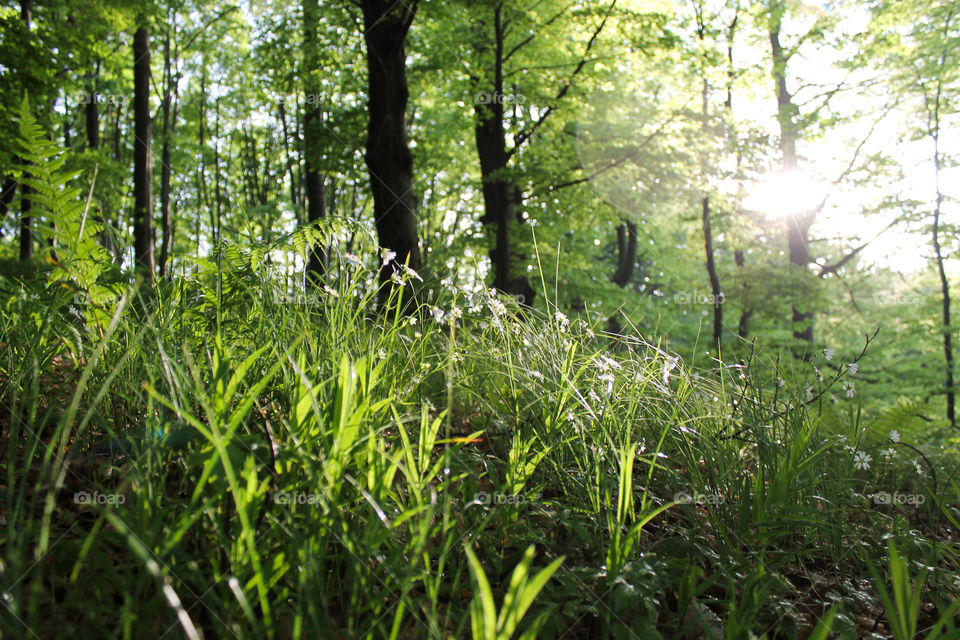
{"x": 305, "y": 470}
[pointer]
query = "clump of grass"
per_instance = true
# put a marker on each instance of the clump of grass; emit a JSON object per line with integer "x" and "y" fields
{"x": 300, "y": 467}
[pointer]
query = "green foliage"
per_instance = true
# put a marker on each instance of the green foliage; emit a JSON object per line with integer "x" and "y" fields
{"x": 79, "y": 260}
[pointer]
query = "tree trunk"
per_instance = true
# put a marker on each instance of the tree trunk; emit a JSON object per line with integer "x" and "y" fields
{"x": 91, "y": 112}
{"x": 798, "y": 225}
{"x": 388, "y": 156}
{"x": 944, "y": 283}
{"x": 26, "y": 222}
{"x": 26, "y": 229}
{"x": 170, "y": 93}
{"x": 743, "y": 326}
{"x": 313, "y": 122}
{"x": 626, "y": 254}
{"x": 500, "y": 195}
{"x": 142, "y": 171}
{"x": 712, "y": 272}
{"x": 6, "y": 198}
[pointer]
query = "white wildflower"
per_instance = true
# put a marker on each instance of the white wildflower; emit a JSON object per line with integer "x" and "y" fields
{"x": 412, "y": 320}
{"x": 850, "y": 388}
{"x": 668, "y": 366}
{"x": 828, "y": 353}
{"x": 852, "y": 368}
{"x": 888, "y": 453}
{"x": 438, "y": 314}
{"x": 894, "y": 436}
{"x": 410, "y": 272}
{"x": 861, "y": 460}
{"x": 386, "y": 255}
{"x": 562, "y": 320}
{"x": 536, "y": 375}
{"x": 605, "y": 363}
{"x": 781, "y": 382}
{"x": 609, "y": 378}
{"x": 395, "y": 276}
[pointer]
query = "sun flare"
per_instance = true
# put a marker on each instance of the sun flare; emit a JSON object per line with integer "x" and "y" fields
{"x": 783, "y": 194}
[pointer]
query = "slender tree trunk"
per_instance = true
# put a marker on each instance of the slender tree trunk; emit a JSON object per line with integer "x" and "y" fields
{"x": 798, "y": 225}
{"x": 26, "y": 222}
{"x": 711, "y": 264}
{"x": 169, "y": 124}
{"x": 944, "y": 282}
{"x": 712, "y": 273}
{"x": 312, "y": 126}
{"x": 388, "y": 156}
{"x": 217, "y": 188}
{"x": 743, "y": 326}
{"x": 203, "y": 194}
{"x": 500, "y": 195}
{"x": 91, "y": 113}
{"x": 626, "y": 253}
{"x": 6, "y": 198}
{"x": 142, "y": 170}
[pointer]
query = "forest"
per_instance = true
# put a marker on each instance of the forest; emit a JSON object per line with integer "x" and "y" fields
{"x": 490, "y": 319}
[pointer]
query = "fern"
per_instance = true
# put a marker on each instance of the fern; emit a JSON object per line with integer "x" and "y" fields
{"x": 79, "y": 261}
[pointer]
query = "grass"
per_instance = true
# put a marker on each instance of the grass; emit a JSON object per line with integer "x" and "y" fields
{"x": 299, "y": 467}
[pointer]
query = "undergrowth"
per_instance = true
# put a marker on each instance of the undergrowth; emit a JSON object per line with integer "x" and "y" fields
{"x": 289, "y": 466}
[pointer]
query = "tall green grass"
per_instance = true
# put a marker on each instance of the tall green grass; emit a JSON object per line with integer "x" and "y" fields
{"x": 302, "y": 467}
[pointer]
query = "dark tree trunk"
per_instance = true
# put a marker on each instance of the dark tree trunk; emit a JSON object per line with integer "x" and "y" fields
{"x": 798, "y": 225}
{"x": 944, "y": 282}
{"x": 743, "y": 326}
{"x": 217, "y": 189}
{"x": 26, "y": 229}
{"x": 388, "y": 156}
{"x": 316, "y": 210}
{"x": 26, "y": 223}
{"x": 500, "y": 195}
{"x": 91, "y": 113}
{"x": 712, "y": 272}
{"x": 142, "y": 171}
{"x": 313, "y": 152}
{"x": 6, "y": 198}
{"x": 626, "y": 253}
{"x": 169, "y": 108}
